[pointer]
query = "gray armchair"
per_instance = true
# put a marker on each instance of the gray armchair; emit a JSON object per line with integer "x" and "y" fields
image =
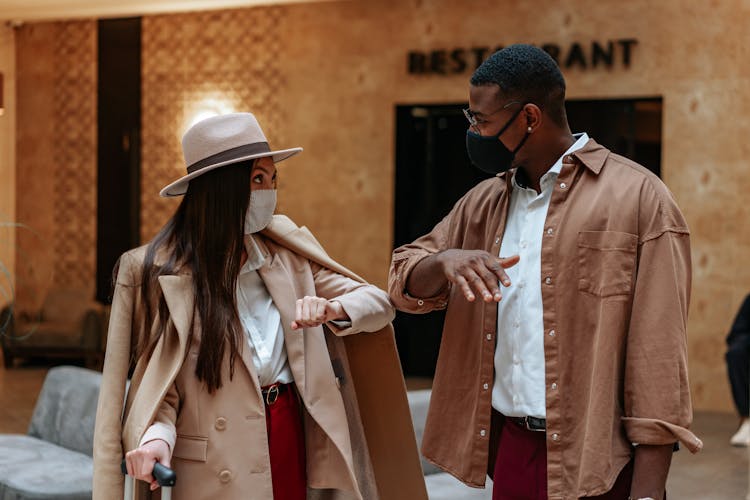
{"x": 70, "y": 324}
{"x": 53, "y": 460}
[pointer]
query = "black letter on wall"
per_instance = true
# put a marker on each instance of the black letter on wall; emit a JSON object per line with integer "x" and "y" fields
{"x": 576, "y": 56}
{"x": 600, "y": 54}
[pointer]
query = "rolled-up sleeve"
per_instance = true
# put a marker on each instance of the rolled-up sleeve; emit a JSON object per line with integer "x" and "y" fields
{"x": 657, "y": 406}
{"x": 405, "y": 259}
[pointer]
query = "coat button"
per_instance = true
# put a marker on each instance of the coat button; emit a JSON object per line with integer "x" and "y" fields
{"x": 220, "y": 424}
{"x": 555, "y": 437}
{"x": 225, "y": 476}
{"x": 482, "y": 432}
{"x": 420, "y": 302}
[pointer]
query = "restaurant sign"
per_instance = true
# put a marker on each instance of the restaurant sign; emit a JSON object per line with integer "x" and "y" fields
{"x": 584, "y": 56}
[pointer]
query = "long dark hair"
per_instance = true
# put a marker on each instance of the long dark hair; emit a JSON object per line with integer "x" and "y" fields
{"x": 205, "y": 237}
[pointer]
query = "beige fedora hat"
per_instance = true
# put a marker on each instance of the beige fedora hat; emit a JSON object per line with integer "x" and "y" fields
{"x": 219, "y": 141}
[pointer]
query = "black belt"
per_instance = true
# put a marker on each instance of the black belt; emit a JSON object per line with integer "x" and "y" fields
{"x": 531, "y": 423}
{"x": 272, "y": 392}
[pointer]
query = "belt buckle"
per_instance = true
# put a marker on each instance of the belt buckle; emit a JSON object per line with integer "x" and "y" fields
{"x": 527, "y": 422}
{"x": 272, "y": 394}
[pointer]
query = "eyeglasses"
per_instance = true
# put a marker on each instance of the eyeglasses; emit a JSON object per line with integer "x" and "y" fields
{"x": 471, "y": 117}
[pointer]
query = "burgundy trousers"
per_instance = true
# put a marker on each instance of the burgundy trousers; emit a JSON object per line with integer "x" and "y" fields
{"x": 286, "y": 443}
{"x": 521, "y": 466}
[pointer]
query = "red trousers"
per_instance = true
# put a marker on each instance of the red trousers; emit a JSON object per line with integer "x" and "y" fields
{"x": 286, "y": 443}
{"x": 521, "y": 466}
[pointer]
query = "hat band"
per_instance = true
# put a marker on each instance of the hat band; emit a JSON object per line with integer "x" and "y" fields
{"x": 230, "y": 154}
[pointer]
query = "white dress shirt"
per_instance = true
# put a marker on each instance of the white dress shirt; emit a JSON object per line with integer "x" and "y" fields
{"x": 261, "y": 321}
{"x": 519, "y": 388}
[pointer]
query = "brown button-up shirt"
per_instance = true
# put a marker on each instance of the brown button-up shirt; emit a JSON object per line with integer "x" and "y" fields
{"x": 615, "y": 290}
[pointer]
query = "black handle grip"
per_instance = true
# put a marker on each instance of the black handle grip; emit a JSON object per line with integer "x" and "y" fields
{"x": 163, "y": 475}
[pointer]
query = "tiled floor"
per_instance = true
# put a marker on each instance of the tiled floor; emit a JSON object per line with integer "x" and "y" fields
{"x": 19, "y": 388}
{"x": 719, "y": 472}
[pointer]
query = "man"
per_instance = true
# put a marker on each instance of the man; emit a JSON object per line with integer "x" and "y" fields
{"x": 738, "y": 359}
{"x": 570, "y": 381}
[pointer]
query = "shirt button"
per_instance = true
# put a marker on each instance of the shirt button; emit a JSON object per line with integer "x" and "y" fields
{"x": 555, "y": 437}
{"x": 551, "y": 333}
{"x": 516, "y": 361}
{"x": 550, "y": 231}
{"x": 554, "y": 386}
{"x": 485, "y": 386}
{"x": 225, "y": 476}
{"x": 420, "y": 302}
{"x": 521, "y": 284}
{"x": 516, "y": 324}
{"x": 548, "y": 280}
{"x": 563, "y": 185}
{"x": 482, "y": 432}
{"x": 523, "y": 244}
{"x": 497, "y": 241}
{"x": 220, "y": 424}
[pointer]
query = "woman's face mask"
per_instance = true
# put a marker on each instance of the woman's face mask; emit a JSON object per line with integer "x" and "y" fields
{"x": 260, "y": 210}
{"x": 488, "y": 153}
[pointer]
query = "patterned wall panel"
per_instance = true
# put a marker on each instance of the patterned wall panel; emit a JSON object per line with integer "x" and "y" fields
{"x": 75, "y": 148}
{"x": 56, "y": 158}
{"x": 199, "y": 64}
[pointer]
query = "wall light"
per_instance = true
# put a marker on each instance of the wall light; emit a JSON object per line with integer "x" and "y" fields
{"x": 206, "y": 108}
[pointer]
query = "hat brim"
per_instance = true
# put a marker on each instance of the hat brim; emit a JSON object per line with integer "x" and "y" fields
{"x": 180, "y": 186}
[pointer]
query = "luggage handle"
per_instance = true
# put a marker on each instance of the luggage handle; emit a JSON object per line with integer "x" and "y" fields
{"x": 165, "y": 476}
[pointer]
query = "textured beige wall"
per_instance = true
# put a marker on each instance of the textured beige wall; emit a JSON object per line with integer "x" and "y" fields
{"x": 7, "y": 164}
{"x": 328, "y": 77}
{"x": 56, "y": 158}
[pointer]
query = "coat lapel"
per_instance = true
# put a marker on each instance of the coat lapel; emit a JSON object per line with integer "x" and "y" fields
{"x": 282, "y": 290}
{"x": 178, "y": 293}
{"x": 170, "y": 351}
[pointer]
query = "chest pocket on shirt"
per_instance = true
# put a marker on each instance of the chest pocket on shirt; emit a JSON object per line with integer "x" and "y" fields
{"x": 606, "y": 262}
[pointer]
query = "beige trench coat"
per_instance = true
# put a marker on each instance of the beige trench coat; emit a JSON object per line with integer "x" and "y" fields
{"x": 359, "y": 439}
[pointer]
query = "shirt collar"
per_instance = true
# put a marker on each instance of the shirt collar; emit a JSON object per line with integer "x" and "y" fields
{"x": 255, "y": 257}
{"x": 554, "y": 171}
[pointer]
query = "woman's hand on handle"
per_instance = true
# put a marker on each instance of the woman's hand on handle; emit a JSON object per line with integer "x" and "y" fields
{"x": 140, "y": 462}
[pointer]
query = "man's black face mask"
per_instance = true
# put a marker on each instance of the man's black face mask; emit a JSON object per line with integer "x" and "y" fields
{"x": 488, "y": 153}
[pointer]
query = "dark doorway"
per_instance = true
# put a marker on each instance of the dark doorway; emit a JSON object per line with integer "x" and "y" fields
{"x": 433, "y": 171}
{"x": 118, "y": 128}
{"x": 630, "y": 127}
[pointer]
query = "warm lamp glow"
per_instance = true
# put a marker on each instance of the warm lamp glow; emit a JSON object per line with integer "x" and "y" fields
{"x": 207, "y": 108}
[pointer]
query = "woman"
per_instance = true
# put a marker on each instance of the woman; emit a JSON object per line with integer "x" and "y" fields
{"x": 233, "y": 384}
